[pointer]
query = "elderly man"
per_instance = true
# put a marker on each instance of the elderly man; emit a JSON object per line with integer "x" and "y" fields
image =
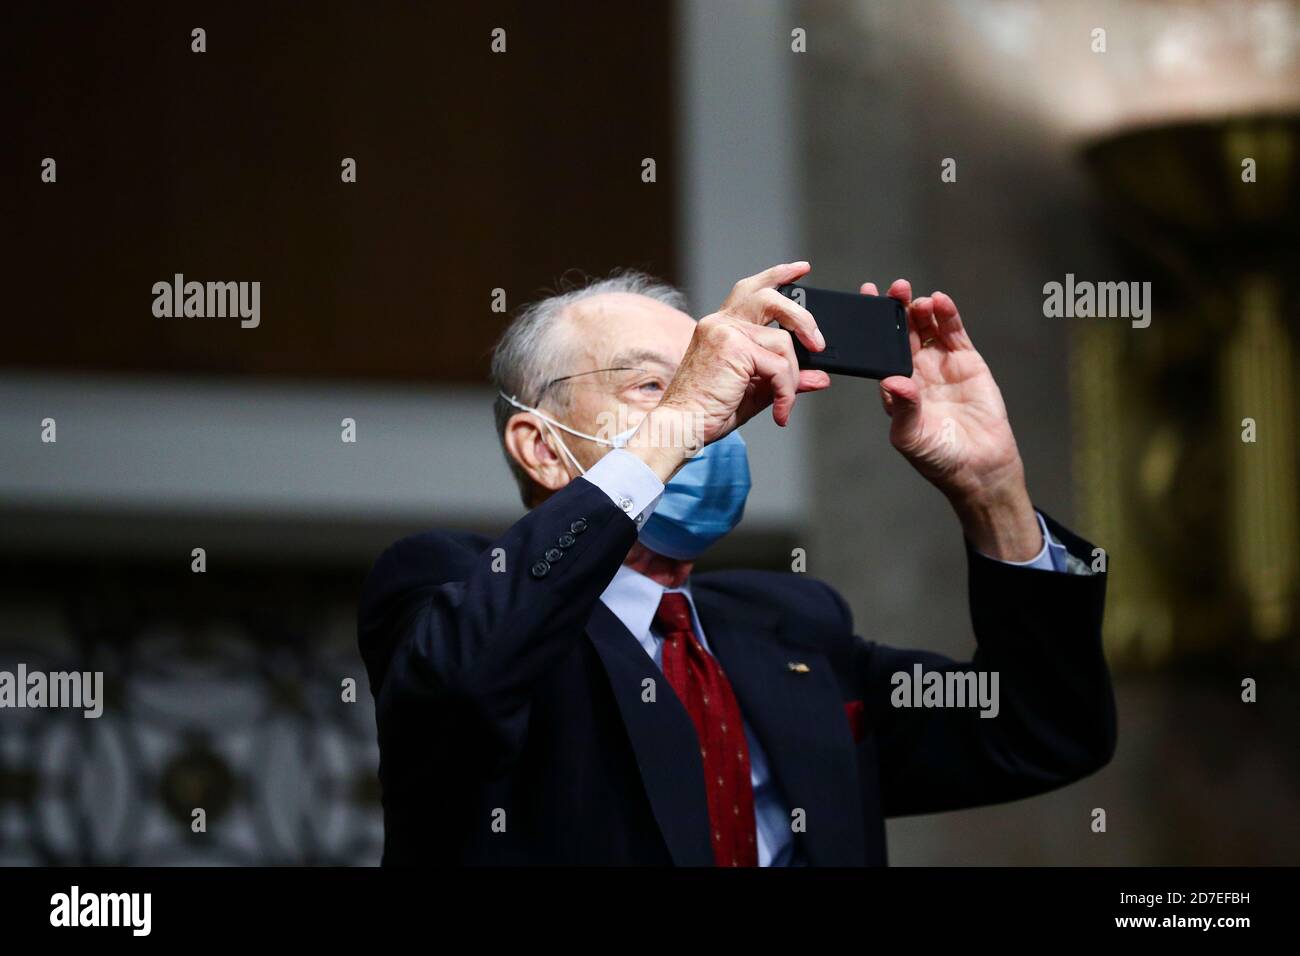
{"x": 570, "y": 693}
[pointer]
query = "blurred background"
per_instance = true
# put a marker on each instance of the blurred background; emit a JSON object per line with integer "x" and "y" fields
{"x": 778, "y": 129}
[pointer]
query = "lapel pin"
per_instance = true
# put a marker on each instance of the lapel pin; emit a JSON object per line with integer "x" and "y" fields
{"x": 799, "y": 667}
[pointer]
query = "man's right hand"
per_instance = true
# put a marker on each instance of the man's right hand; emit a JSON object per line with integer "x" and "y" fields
{"x": 735, "y": 367}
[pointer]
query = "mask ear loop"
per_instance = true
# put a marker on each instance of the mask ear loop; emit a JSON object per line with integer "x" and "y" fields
{"x": 551, "y": 425}
{"x": 565, "y": 448}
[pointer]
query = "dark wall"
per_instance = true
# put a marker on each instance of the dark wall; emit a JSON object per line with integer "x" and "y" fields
{"x": 476, "y": 171}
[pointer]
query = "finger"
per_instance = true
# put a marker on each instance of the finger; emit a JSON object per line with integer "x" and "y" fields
{"x": 920, "y": 323}
{"x": 767, "y": 279}
{"x": 901, "y": 387}
{"x": 775, "y": 372}
{"x": 905, "y": 413}
{"x": 768, "y": 305}
{"x": 779, "y": 342}
{"x": 886, "y": 401}
{"x": 901, "y": 290}
{"x": 813, "y": 380}
{"x": 952, "y": 332}
{"x": 868, "y": 288}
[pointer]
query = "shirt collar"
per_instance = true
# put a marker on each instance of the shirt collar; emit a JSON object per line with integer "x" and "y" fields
{"x": 634, "y": 599}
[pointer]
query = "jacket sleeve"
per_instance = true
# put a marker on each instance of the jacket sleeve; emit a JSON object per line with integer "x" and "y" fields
{"x": 1040, "y": 631}
{"x": 454, "y": 661}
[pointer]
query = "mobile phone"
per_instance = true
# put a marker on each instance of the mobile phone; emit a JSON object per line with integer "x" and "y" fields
{"x": 866, "y": 335}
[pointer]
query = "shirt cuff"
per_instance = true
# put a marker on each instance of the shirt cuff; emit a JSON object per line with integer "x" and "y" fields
{"x": 629, "y": 482}
{"x": 1051, "y": 558}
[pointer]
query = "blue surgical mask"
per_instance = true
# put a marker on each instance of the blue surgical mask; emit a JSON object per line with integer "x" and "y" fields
{"x": 701, "y": 503}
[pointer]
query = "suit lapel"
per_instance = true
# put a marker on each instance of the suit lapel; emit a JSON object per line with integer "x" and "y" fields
{"x": 798, "y": 718}
{"x": 663, "y": 737}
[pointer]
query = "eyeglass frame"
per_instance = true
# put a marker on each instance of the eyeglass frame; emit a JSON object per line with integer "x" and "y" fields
{"x": 594, "y": 371}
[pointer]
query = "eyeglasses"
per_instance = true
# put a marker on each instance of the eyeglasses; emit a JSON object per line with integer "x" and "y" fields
{"x": 620, "y": 379}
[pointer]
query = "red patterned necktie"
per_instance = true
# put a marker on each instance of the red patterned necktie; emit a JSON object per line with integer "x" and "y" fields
{"x": 702, "y": 687}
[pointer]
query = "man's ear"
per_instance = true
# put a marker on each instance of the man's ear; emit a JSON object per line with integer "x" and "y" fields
{"x": 525, "y": 441}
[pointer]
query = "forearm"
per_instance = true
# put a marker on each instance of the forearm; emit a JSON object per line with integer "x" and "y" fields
{"x": 999, "y": 520}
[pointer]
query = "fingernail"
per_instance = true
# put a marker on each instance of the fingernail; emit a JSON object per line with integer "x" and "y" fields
{"x": 821, "y": 339}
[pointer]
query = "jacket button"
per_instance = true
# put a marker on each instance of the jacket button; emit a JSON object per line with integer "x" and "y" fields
{"x": 540, "y": 569}
{"x": 578, "y": 526}
{"x": 566, "y": 540}
{"x": 554, "y": 554}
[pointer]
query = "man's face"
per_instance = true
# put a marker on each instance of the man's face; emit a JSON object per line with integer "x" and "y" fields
{"x": 630, "y": 346}
{"x": 623, "y": 350}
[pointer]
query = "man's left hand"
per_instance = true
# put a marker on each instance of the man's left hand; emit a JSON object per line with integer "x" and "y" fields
{"x": 948, "y": 420}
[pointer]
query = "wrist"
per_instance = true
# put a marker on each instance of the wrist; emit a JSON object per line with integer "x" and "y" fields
{"x": 646, "y": 443}
{"x": 1001, "y": 523}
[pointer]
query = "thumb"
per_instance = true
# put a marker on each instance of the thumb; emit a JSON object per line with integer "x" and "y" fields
{"x": 903, "y": 400}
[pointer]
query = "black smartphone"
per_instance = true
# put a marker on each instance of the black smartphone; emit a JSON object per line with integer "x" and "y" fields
{"x": 866, "y": 335}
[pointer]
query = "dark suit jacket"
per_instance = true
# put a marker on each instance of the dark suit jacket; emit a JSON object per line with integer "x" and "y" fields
{"x": 512, "y": 726}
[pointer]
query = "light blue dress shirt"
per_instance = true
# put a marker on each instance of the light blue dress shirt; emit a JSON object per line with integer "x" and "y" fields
{"x": 634, "y": 599}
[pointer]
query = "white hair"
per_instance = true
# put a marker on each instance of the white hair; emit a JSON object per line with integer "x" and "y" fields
{"x": 532, "y": 352}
